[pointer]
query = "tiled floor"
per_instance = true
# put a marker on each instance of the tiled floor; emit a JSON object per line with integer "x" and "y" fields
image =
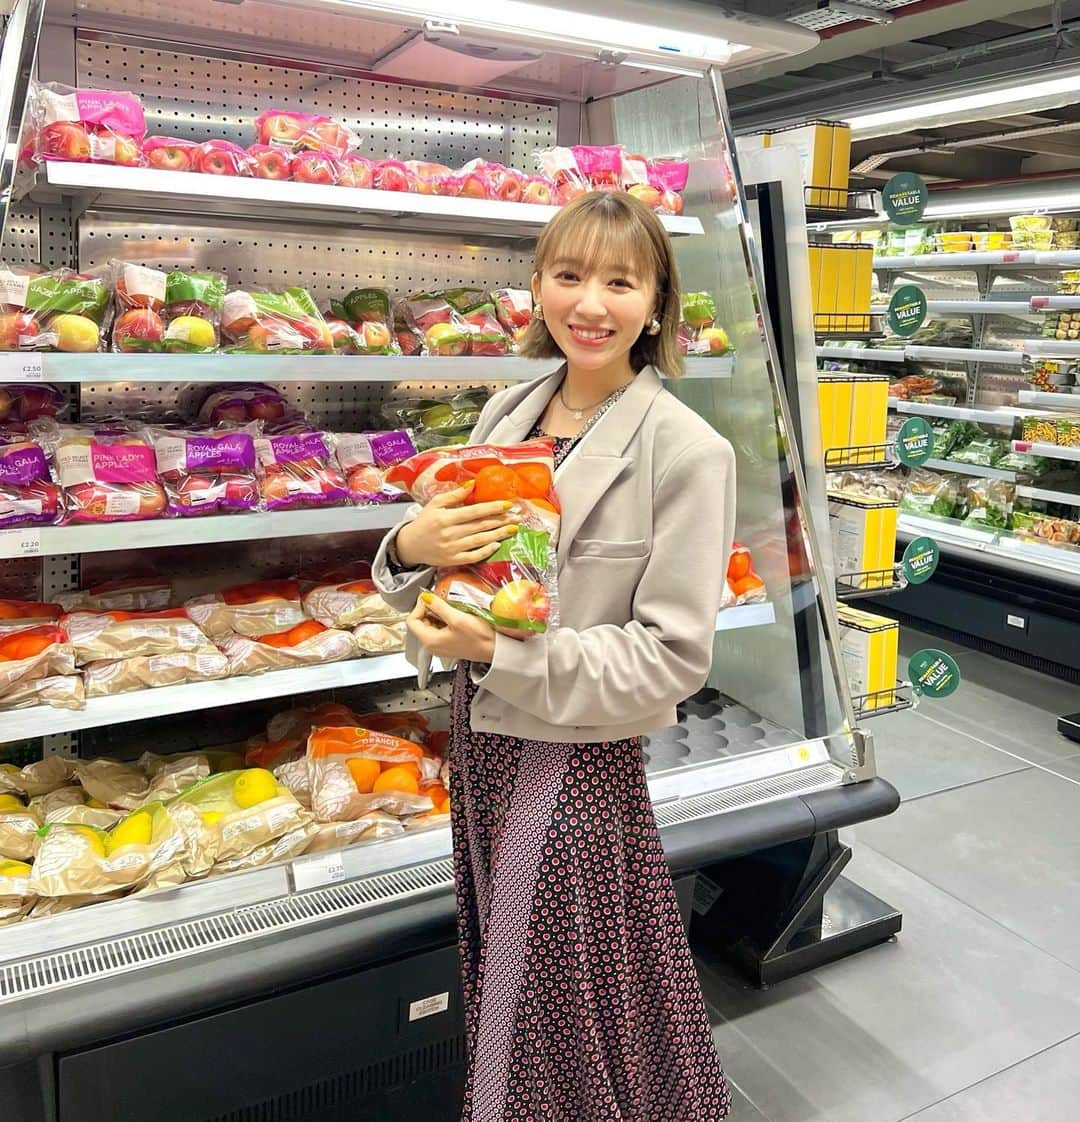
{"x": 973, "y": 1014}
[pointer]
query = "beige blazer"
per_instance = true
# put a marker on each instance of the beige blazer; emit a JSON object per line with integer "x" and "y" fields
{"x": 648, "y": 511}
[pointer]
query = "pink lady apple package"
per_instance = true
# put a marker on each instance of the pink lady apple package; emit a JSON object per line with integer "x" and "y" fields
{"x": 86, "y": 126}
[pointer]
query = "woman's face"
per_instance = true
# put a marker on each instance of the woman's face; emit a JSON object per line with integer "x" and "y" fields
{"x": 594, "y": 312}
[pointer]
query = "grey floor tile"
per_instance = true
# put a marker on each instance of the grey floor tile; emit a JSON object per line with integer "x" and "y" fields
{"x": 1009, "y": 847}
{"x": 920, "y": 757}
{"x": 1045, "y": 1088}
{"x": 1069, "y": 768}
{"x": 889, "y": 1032}
{"x": 742, "y": 1109}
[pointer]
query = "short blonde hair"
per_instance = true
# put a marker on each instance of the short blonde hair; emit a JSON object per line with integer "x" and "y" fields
{"x": 615, "y": 228}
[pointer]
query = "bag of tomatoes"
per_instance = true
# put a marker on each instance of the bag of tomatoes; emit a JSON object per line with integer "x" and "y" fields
{"x": 515, "y": 588}
{"x": 305, "y": 644}
{"x": 354, "y": 770}
{"x": 30, "y": 655}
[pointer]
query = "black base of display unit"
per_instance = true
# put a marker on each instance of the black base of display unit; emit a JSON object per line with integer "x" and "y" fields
{"x": 1069, "y": 726}
{"x": 782, "y": 911}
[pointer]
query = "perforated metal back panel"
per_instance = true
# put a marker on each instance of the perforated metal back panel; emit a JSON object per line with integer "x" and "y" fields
{"x": 200, "y": 97}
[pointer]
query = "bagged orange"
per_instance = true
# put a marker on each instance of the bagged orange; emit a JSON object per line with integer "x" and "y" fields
{"x": 30, "y": 654}
{"x": 306, "y": 644}
{"x": 260, "y": 608}
{"x": 122, "y": 635}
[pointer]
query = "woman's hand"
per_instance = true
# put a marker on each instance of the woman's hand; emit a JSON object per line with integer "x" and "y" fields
{"x": 446, "y": 533}
{"x": 446, "y": 632}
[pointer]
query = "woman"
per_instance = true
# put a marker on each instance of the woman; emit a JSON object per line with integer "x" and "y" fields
{"x": 582, "y": 1004}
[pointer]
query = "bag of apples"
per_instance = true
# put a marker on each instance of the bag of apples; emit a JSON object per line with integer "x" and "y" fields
{"x": 298, "y": 132}
{"x": 168, "y": 153}
{"x": 513, "y": 307}
{"x": 59, "y": 310}
{"x": 306, "y": 644}
{"x": 22, "y": 403}
{"x": 697, "y": 333}
{"x": 205, "y": 472}
{"x": 514, "y": 589}
{"x": 486, "y": 336}
{"x": 31, "y": 654}
{"x": 261, "y": 608}
{"x": 107, "y": 475}
{"x": 354, "y": 770}
{"x": 560, "y": 168}
{"x": 442, "y": 330}
{"x": 157, "y": 311}
{"x": 86, "y": 126}
{"x": 236, "y": 405}
{"x": 286, "y": 322}
{"x": 296, "y": 470}
{"x": 669, "y": 178}
{"x": 28, "y": 495}
{"x": 367, "y": 312}
{"x": 365, "y": 458}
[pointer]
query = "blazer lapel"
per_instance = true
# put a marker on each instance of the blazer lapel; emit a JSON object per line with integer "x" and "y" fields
{"x": 516, "y": 425}
{"x": 599, "y": 460}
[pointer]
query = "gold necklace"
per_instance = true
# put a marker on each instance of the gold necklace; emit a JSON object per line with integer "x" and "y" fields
{"x": 578, "y": 414}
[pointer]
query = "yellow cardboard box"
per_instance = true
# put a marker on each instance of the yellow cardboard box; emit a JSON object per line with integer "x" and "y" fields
{"x": 840, "y": 164}
{"x": 863, "y": 534}
{"x": 869, "y": 647}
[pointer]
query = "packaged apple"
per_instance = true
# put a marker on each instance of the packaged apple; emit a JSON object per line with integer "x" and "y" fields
{"x": 367, "y": 310}
{"x": 601, "y": 165}
{"x": 167, "y": 153}
{"x": 192, "y": 312}
{"x": 236, "y": 405}
{"x": 106, "y": 475}
{"x": 285, "y": 322}
{"x": 559, "y": 165}
{"x": 354, "y": 770}
{"x": 115, "y": 634}
{"x": 486, "y": 336}
{"x": 697, "y": 333}
{"x": 483, "y": 179}
{"x": 59, "y": 310}
{"x": 426, "y": 178}
{"x": 441, "y": 329}
{"x": 439, "y": 419}
{"x": 514, "y": 589}
{"x": 669, "y": 178}
{"x": 265, "y": 161}
{"x": 76, "y": 859}
{"x": 29, "y": 655}
{"x": 356, "y": 171}
{"x": 131, "y": 594}
{"x": 221, "y": 157}
{"x": 389, "y": 175}
{"x": 365, "y": 457}
{"x": 260, "y": 608}
{"x": 242, "y": 810}
{"x": 321, "y": 167}
{"x": 86, "y": 126}
{"x": 16, "y": 896}
{"x": 307, "y": 644}
{"x": 538, "y": 190}
{"x": 298, "y": 132}
{"x": 208, "y": 472}
{"x": 24, "y": 402}
{"x": 28, "y": 495}
{"x": 513, "y": 306}
{"x": 298, "y": 470}
{"x": 19, "y": 824}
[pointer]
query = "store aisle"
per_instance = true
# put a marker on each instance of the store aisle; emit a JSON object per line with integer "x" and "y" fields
{"x": 973, "y": 1015}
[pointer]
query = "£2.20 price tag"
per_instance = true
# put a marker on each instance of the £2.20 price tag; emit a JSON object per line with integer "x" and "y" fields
{"x": 317, "y": 870}
{"x": 24, "y": 542}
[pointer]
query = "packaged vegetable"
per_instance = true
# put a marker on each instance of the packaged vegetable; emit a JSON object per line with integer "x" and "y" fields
{"x": 110, "y": 676}
{"x": 1040, "y": 428}
{"x": 437, "y": 420}
{"x": 486, "y": 336}
{"x": 220, "y": 157}
{"x": 29, "y": 655}
{"x": 260, "y": 608}
{"x": 86, "y": 126}
{"x": 296, "y": 470}
{"x": 285, "y": 322}
{"x": 19, "y": 825}
{"x": 167, "y": 153}
{"x": 307, "y": 644}
{"x": 133, "y": 594}
{"x": 514, "y": 589}
{"x": 28, "y": 495}
{"x": 354, "y": 770}
{"x": 929, "y": 493}
{"x": 59, "y": 310}
{"x": 97, "y": 635}
{"x": 205, "y": 472}
{"x": 989, "y": 503}
{"x": 297, "y": 132}
{"x": 349, "y": 604}
{"x": 365, "y": 457}
{"x": 38, "y": 778}
{"x": 1026, "y": 463}
{"x": 106, "y": 475}
{"x": 983, "y": 451}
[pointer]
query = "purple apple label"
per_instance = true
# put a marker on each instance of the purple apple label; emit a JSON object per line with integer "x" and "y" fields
{"x": 122, "y": 463}
{"x": 388, "y": 448}
{"x": 23, "y": 465}
{"x": 237, "y": 450}
{"x": 287, "y": 449}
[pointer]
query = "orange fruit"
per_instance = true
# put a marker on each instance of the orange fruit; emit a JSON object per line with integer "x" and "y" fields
{"x": 533, "y": 480}
{"x": 748, "y": 584}
{"x": 436, "y": 792}
{"x": 545, "y": 505}
{"x": 294, "y": 636}
{"x": 495, "y": 483}
{"x": 397, "y": 779}
{"x": 409, "y": 766}
{"x": 364, "y": 773}
{"x": 444, "y": 806}
{"x": 739, "y": 566}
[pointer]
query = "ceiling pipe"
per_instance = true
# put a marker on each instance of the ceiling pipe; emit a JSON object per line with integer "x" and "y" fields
{"x": 900, "y": 13}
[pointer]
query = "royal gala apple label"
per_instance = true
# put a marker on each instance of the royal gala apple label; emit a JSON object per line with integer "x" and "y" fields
{"x": 933, "y": 673}
{"x": 23, "y": 464}
{"x": 290, "y": 449}
{"x": 904, "y": 198}
{"x": 907, "y": 310}
{"x": 915, "y": 442}
{"x": 921, "y": 560}
{"x": 200, "y": 453}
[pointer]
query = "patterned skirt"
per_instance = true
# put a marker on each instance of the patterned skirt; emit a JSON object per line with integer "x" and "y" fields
{"x": 581, "y": 999}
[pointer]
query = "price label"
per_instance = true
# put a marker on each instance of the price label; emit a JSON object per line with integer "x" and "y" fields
{"x": 318, "y": 870}
{"x": 20, "y": 543}
{"x": 31, "y": 368}
{"x": 1008, "y": 258}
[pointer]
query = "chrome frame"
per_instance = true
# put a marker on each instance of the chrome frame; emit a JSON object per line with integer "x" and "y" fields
{"x": 18, "y": 56}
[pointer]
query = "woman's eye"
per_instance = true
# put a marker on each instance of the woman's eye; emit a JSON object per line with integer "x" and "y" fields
{"x": 620, "y": 282}
{"x": 566, "y": 276}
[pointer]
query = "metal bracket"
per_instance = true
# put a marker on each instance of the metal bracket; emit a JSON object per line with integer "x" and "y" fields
{"x": 866, "y": 765}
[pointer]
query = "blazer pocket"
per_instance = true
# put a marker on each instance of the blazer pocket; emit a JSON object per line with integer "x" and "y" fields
{"x": 598, "y": 547}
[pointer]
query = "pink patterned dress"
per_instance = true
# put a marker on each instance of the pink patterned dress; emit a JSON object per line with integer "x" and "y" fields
{"x": 581, "y": 999}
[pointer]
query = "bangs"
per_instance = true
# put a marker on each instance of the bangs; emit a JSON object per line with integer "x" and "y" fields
{"x": 600, "y": 232}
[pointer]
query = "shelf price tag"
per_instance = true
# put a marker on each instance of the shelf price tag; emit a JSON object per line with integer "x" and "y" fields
{"x": 21, "y": 542}
{"x": 317, "y": 870}
{"x": 904, "y": 198}
{"x": 933, "y": 673}
{"x": 921, "y": 560}
{"x": 907, "y": 310}
{"x": 22, "y": 367}
{"x": 915, "y": 442}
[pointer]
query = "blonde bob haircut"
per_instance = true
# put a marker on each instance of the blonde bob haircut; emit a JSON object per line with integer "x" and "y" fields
{"x": 612, "y": 228}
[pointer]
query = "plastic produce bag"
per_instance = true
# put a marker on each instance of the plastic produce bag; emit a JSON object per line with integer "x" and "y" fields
{"x": 129, "y": 595}
{"x": 237, "y": 405}
{"x": 513, "y": 307}
{"x": 441, "y": 328}
{"x": 96, "y": 635}
{"x": 389, "y": 175}
{"x": 486, "y": 335}
{"x": 355, "y": 770}
{"x": 600, "y": 164}
{"x": 373, "y": 826}
{"x": 112, "y": 782}
{"x": 221, "y": 157}
{"x": 297, "y": 132}
{"x": 348, "y": 604}
{"x": 744, "y": 585}
{"x": 289, "y": 845}
{"x": 514, "y": 589}
{"x": 296, "y": 470}
{"x": 437, "y": 420}
{"x": 929, "y": 493}
{"x": 285, "y": 322}
{"x": 307, "y": 644}
{"x": 321, "y": 167}
{"x": 261, "y": 608}
{"x": 367, "y": 310}
{"x": 669, "y": 178}
{"x": 28, "y": 495}
{"x": 28, "y": 656}
{"x": 697, "y": 333}
{"x": 27, "y": 402}
{"x": 483, "y": 179}
{"x": 109, "y": 676}
{"x": 365, "y": 457}
{"x": 427, "y": 178}
{"x": 59, "y": 310}
{"x": 36, "y": 779}
{"x": 989, "y": 503}
{"x": 86, "y": 126}
{"x": 167, "y": 153}
{"x": 19, "y": 825}
{"x": 19, "y": 614}
{"x": 16, "y": 896}
{"x": 107, "y": 475}
{"x": 380, "y": 638}
{"x": 560, "y": 167}
{"x": 984, "y": 451}
{"x": 205, "y": 472}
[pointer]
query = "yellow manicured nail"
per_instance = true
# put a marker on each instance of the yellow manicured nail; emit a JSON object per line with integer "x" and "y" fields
{"x": 427, "y": 597}
{"x": 468, "y": 486}
{"x": 508, "y": 506}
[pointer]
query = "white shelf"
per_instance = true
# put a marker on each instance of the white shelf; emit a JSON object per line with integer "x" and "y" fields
{"x": 1051, "y": 451}
{"x": 917, "y": 353}
{"x": 157, "y": 192}
{"x": 1015, "y": 258}
{"x": 160, "y": 533}
{"x": 971, "y": 469}
{"x": 1002, "y": 416}
{"x": 1065, "y": 348}
{"x": 946, "y": 530}
{"x": 969, "y": 307}
{"x": 1049, "y": 400}
{"x": 1069, "y": 498}
{"x": 1064, "y": 561}
{"x": 1055, "y": 303}
{"x": 866, "y": 354}
{"x": 745, "y": 615}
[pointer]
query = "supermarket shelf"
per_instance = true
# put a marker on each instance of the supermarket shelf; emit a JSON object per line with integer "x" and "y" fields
{"x": 1051, "y": 400}
{"x": 1051, "y": 451}
{"x": 161, "y": 533}
{"x": 972, "y": 307}
{"x": 165, "y": 192}
{"x": 864, "y": 354}
{"x": 971, "y": 469}
{"x": 1064, "y": 562}
{"x": 946, "y": 530}
{"x": 1017, "y": 258}
{"x": 1003, "y": 416}
{"x": 877, "y": 704}
{"x": 963, "y": 354}
{"x": 1068, "y": 498}
{"x": 1055, "y": 303}
{"x": 870, "y": 582}
{"x": 1064, "y": 348}
{"x": 745, "y": 615}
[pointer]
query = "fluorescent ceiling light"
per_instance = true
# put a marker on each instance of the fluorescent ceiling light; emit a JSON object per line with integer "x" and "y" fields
{"x": 967, "y": 107}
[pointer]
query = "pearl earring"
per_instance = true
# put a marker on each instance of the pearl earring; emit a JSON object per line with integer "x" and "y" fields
{"x": 538, "y": 311}
{"x": 654, "y": 326}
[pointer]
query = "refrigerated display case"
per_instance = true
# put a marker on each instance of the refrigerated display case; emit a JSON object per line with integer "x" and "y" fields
{"x": 328, "y": 980}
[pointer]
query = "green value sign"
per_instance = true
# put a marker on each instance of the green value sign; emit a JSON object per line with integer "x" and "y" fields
{"x": 905, "y": 197}
{"x": 933, "y": 673}
{"x": 907, "y": 310}
{"x": 915, "y": 442}
{"x": 921, "y": 560}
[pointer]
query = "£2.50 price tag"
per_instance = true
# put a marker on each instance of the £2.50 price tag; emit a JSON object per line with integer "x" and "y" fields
{"x": 16, "y": 367}
{"x": 24, "y": 542}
